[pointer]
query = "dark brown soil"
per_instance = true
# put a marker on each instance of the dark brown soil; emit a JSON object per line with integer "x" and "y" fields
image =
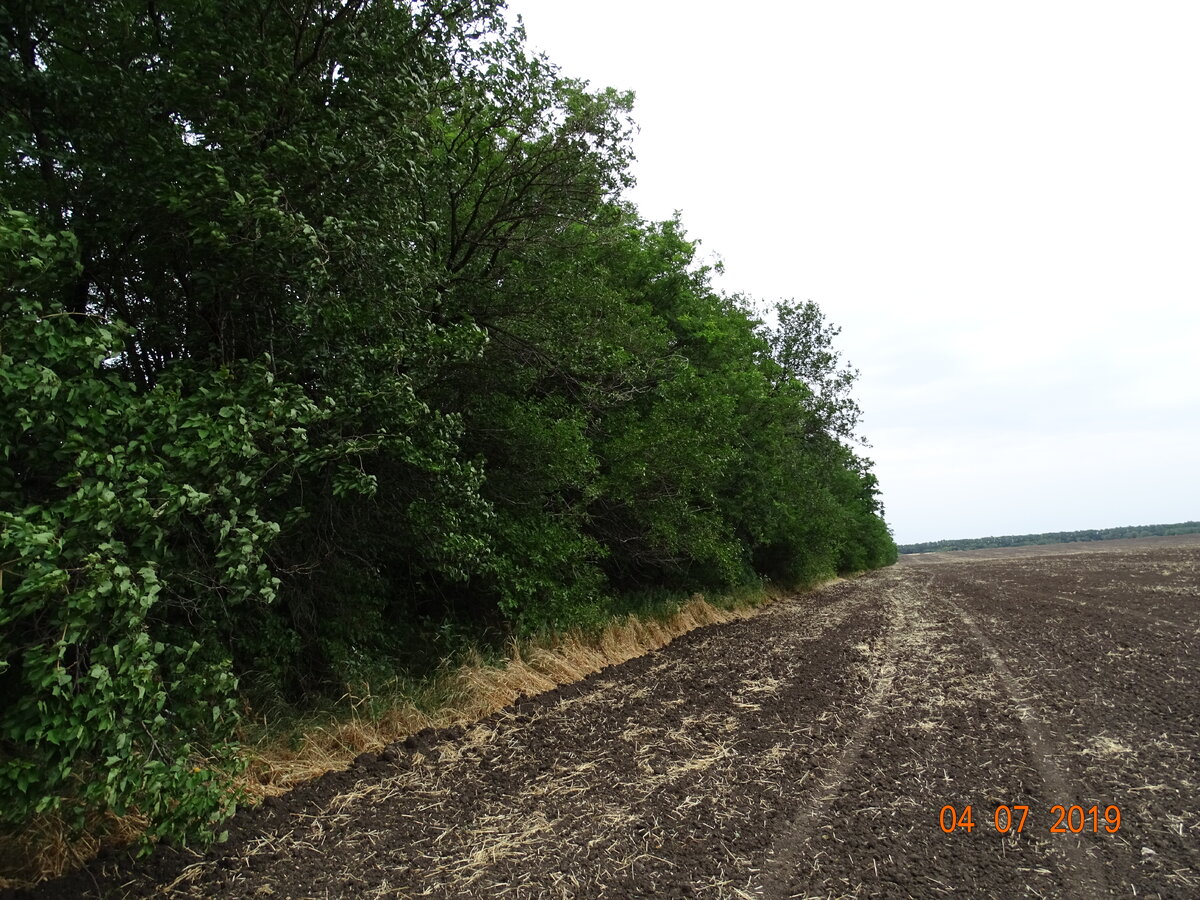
{"x": 805, "y": 752}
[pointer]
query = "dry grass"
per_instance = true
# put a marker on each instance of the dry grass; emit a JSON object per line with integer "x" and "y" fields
{"x": 474, "y": 691}
{"x": 471, "y": 692}
{"x": 1105, "y": 746}
{"x": 44, "y": 848}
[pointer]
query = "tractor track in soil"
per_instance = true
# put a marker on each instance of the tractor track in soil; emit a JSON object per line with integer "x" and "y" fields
{"x": 804, "y": 752}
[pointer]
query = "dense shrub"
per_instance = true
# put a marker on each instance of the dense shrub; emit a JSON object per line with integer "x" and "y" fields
{"x": 129, "y": 532}
{"x": 325, "y": 331}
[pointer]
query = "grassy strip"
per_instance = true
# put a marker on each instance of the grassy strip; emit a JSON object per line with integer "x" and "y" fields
{"x": 291, "y": 749}
{"x": 286, "y": 753}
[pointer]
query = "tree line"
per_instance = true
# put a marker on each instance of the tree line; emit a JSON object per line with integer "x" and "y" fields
{"x": 1054, "y": 537}
{"x": 326, "y": 329}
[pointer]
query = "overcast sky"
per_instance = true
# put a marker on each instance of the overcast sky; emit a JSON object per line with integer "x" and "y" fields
{"x": 998, "y": 203}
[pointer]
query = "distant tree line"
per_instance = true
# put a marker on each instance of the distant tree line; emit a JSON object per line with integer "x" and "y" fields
{"x": 1054, "y": 537}
{"x": 326, "y": 334}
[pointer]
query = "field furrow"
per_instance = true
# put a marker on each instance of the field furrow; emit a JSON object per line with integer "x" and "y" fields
{"x": 828, "y": 747}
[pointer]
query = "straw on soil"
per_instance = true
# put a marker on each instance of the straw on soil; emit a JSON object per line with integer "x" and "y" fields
{"x": 472, "y": 692}
{"x": 477, "y": 689}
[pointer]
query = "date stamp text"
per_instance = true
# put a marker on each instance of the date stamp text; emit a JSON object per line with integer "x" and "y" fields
{"x": 1015, "y": 819}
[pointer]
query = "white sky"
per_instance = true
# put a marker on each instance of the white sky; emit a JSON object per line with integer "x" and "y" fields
{"x": 998, "y": 203}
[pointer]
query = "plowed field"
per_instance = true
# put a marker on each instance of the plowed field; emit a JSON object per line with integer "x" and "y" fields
{"x": 809, "y": 751}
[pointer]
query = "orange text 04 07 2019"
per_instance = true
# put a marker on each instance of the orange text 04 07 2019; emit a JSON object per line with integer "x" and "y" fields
{"x": 1074, "y": 819}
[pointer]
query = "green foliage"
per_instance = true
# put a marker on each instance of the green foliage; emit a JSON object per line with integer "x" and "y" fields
{"x": 129, "y": 530}
{"x": 327, "y": 342}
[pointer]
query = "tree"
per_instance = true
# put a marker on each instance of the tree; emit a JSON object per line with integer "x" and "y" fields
{"x": 802, "y": 346}
{"x": 324, "y": 325}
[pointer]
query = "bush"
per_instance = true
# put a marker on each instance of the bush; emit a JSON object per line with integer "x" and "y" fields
{"x": 130, "y": 528}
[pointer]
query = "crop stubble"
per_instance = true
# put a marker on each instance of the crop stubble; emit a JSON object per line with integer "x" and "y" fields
{"x": 805, "y": 752}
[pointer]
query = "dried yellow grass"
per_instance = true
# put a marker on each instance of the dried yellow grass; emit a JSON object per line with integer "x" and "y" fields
{"x": 43, "y": 848}
{"x": 478, "y": 689}
{"x": 474, "y": 690}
